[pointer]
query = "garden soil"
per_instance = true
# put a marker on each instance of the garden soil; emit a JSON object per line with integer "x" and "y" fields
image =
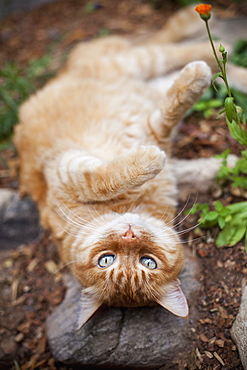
{"x": 29, "y": 288}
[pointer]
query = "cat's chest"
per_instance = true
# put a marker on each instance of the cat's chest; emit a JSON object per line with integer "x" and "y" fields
{"x": 115, "y": 121}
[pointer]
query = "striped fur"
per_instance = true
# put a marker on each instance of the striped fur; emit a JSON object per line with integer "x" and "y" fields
{"x": 94, "y": 148}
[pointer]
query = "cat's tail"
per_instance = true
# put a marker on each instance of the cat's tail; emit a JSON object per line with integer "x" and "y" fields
{"x": 183, "y": 24}
{"x": 88, "y": 179}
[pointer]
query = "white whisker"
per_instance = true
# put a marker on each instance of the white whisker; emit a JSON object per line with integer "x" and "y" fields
{"x": 182, "y": 210}
{"x": 147, "y": 285}
{"x": 190, "y": 228}
{"x": 191, "y": 240}
{"x": 68, "y": 231}
{"x": 66, "y": 264}
{"x": 66, "y": 217}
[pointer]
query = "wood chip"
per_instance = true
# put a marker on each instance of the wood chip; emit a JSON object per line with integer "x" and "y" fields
{"x": 220, "y": 343}
{"x": 17, "y": 366}
{"x": 42, "y": 345}
{"x": 203, "y": 338}
{"x": 14, "y": 289}
{"x": 19, "y": 337}
{"x": 212, "y": 340}
{"x": 199, "y": 356}
{"x": 208, "y": 354}
{"x": 18, "y": 301}
{"x": 206, "y": 321}
{"x": 51, "y": 267}
{"x": 32, "y": 264}
{"x": 219, "y": 358}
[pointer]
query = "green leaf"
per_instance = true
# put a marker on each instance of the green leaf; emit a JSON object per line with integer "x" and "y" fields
{"x": 214, "y": 78}
{"x": 211, "y": 216}
{"x": 8, "y": 100}
{"x": 239, "y": 53}
{"x": 224, "y": 154}
{"x": 240, "y": 182}
{"x": 208, "y": 113}
{"x": 218, "y": 206}
{"x": 244, "y": 154}
{"x": 103, "y": 32}
{"x": 237, "y": 132}
{"x": 229, "y": 107}
{"x": 228, "y": 218}
{"x": 225, "y": 212}
{"x": 221, "y": 222}
{"x": 215, "y": 103}
{"x": 231, "y": 235}
{"x": 238, "y": 207}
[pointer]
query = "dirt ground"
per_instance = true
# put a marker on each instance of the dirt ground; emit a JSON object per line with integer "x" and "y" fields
{"x": 29, "y": 282}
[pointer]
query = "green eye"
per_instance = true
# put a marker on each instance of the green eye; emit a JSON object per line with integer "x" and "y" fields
{"x": 148, "y": 262}
{"x": 106, "y": 260}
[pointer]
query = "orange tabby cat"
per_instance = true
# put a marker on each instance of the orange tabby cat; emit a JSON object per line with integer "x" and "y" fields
{"x": 94, "y": 151}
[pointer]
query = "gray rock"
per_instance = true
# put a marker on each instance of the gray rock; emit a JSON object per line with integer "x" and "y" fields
{"x": 197, "y": 175}
{"x": 239, "y": 328}
{"x": 122, "y": 337}
{"x": 12, "y": 6}
{"x": 19, "y": 220}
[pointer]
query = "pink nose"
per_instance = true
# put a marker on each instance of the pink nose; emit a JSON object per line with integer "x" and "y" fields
{"x": 129, "y": 235}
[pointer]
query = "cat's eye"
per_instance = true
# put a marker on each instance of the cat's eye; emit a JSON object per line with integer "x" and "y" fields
{"x": 148, "y": 262}
{"x": 106, "y": 260}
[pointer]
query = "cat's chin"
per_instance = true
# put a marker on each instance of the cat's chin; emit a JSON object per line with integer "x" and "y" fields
{"x": 132, "y": 304}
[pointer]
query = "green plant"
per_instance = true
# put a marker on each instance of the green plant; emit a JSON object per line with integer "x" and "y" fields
{"x": 91, "y": 7}
{"x": 236, "y": 175}
{"x": 239, "y": 53}
{"x": 103, "y": 32}
{"x": 232, "y": 219}
{"x": 16, "y": 85}
{"x": 212, "y": 100}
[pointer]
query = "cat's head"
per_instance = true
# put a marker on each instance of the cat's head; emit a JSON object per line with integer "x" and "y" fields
{"x": 127, "y": 260}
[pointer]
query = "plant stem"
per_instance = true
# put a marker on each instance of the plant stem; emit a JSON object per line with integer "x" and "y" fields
{"x": 223, "y": 71}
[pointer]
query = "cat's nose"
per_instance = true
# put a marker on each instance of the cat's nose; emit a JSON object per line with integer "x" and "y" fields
{"x": 129, "y": 235}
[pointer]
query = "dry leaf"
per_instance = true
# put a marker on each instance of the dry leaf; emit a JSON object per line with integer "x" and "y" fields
{"x": 220, "y": 343}
{"x": 32, "y": 264}
{"x": 203, "y": 338}
{"x": 199, "y": 356}
{"x": 208, "y": 354}
{"x": 19, "y": 337}
{"x": 14, "y": 289}
{"x": 219, "y": 358}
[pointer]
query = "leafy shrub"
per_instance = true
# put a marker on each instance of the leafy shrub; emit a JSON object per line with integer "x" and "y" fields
{"x": 16, "y": 84}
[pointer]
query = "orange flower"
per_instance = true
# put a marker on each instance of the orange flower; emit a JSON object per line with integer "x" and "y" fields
{"x": 204, "y": 11}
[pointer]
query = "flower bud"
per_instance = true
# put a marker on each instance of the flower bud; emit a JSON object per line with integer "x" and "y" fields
{"x": 222, "y": 49}
{"x": 204, "y": 11}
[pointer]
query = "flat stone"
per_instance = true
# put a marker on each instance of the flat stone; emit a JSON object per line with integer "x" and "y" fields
{"x": 239, "y": 328}
{"x": 197, "y": 175}
{"x": 122, "y": 337}
{"x": 19, "y": 220}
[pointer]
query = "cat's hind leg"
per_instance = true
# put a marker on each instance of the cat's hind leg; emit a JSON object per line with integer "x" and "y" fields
{"x": 190, "y": 84}
{"x": 85, "y": 178}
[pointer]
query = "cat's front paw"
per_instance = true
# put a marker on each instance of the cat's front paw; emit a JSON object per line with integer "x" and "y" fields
{"x": 197, "y": 76}
{"x": 148, "y": 160}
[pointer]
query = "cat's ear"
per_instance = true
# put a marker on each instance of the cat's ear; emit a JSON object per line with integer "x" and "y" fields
{"x": 88, "y": 306}
{"x": 174, "y": 300}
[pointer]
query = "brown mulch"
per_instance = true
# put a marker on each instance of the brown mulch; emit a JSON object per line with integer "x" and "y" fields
{"x": 30, "y": 279}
